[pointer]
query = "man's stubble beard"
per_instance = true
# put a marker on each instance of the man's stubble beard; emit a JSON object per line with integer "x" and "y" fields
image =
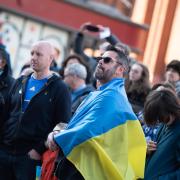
{"x": 104, "y": 75}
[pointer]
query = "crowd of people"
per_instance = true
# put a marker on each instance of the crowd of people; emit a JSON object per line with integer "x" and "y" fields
{"x": 90, "y": 118}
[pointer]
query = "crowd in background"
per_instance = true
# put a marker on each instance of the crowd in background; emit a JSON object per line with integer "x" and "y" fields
{"x": 157, "y": 106}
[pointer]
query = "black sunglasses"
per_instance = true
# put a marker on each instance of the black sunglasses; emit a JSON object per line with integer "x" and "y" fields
{"x": 106, "y": 60}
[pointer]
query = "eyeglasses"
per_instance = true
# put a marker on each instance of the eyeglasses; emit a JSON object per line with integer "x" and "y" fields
{"x": 106, "y": 60}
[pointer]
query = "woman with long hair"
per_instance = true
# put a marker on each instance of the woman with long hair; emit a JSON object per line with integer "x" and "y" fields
{"x": 137, "y": 86}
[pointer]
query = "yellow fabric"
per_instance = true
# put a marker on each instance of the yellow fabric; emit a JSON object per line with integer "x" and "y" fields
{"x": 119, "y": 154}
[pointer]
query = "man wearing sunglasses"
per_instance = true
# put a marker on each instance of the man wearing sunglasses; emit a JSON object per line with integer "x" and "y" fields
{"x": 98, "y": 140}
{"x": 109, "y": 67}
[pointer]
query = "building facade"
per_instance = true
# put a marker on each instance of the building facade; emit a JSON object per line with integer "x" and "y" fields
{"x": 149, "y": 27}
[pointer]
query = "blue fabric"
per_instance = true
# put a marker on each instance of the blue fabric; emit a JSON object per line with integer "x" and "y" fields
{"x": 149, "y": 132}
{"x": 38, "y": 172}
{"x": 32, "y": 88}
{"x": 90, "y": 115}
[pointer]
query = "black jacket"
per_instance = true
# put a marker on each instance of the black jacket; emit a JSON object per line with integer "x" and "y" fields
{"x": 65, "y": 170}
{"x": 6, "y": 83}
{"x": 25, "y": 131}
{"x": 78, "y": 48}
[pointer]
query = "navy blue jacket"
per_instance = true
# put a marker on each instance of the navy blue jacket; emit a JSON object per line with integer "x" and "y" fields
{"x": 164, "y": 163}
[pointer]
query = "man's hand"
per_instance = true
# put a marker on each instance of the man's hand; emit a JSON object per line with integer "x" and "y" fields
{"x": 104, "y": 32}
{"x": 50, "y": 141}
{"x": 33, "y": 154}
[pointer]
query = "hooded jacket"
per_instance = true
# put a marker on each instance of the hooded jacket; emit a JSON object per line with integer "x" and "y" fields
{"x": 23, "y": 131}
{"x": 6, "y": 82}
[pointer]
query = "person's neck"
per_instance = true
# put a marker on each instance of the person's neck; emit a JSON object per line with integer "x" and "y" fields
{"x": 104, "y": 81}
{"x": 41, "y": 75}
{"x": 171, "y": 120}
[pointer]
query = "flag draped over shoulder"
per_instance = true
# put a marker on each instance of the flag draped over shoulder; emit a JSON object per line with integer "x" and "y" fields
{"x": 104, "y": 139}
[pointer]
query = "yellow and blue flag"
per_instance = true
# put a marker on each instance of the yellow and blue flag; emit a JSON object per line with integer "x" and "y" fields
{"x": 104, "y": 139}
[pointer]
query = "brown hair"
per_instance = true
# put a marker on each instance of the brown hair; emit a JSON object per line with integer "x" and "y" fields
{"x": 159, "y": 105}
{"x": 81, "y": 61}
{"x": 142, "y": 85}
{"x": 167, "y": 85}
{"x": 174, "y": 64}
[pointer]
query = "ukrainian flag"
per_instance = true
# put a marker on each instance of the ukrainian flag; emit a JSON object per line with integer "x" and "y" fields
{"x": 104, "y": 139}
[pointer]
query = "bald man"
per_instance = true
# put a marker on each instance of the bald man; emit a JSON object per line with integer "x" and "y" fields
{"x": 36, "y": 104}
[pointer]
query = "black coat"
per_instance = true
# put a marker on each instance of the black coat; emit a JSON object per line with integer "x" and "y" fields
{"x": 65, "y": 170}
{"x": 6, "y": 83}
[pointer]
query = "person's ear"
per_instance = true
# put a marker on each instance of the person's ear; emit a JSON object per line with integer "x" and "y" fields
{"x": 51, "y": 58}
{"x": 120, "y": 70}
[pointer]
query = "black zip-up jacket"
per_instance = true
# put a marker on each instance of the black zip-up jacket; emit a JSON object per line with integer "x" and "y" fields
{"x": 25, "y": 131}
{"x": 6, "y": 83}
